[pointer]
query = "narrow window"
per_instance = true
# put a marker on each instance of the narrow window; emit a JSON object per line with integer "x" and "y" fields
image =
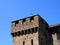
{"x": 23, "y": 42}
{"x": 32, "y": 42}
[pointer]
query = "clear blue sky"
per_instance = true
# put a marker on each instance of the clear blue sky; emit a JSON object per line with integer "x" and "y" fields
{"x": 16, "y": 9}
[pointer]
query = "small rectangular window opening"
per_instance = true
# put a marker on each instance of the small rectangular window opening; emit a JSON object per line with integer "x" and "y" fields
{"x": 23, "y": 42}
{"x": 32, "y": 42}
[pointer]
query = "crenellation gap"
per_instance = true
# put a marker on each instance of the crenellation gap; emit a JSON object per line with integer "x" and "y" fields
{"x": 32, "y": 19}
{"x": 16, "y": 22}
{"x": 24, "y": 20}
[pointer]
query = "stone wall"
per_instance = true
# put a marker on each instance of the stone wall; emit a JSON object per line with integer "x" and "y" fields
{"x": 55, "y": 31}
{"x": 56, "y": 39}
{"x": 24, "y": 24}
{"x": 32, "y": 29}
{"x": 18, "y": 40}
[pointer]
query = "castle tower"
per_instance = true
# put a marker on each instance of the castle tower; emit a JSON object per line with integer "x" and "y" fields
{"x": 32, "y": 30}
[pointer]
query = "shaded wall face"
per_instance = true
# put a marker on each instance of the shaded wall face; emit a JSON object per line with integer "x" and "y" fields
{"x": 28, "y": 39}
{"x": 56, "y": 38}
{"x": 44, "y": 38}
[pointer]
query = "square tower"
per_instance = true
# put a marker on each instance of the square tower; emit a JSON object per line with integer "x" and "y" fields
{"x": 32, "y": 30}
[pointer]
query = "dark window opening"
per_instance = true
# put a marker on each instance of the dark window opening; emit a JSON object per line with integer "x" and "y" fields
{"x": 32, "y": 42}
{"x": 39, "y": 28}
{"x": 23, "y": 42}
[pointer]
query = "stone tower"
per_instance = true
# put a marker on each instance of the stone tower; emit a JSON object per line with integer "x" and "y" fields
{"x": 32, "y": 30}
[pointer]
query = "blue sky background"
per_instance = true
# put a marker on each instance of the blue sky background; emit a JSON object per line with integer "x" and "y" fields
{"x": 16, "y": 9}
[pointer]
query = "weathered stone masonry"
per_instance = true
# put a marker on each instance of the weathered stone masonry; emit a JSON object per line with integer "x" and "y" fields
{"x": 33, "y": 30}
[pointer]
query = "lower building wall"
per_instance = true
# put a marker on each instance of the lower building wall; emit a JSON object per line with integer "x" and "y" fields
{"x": 56, "y": 41}
{"x": 26, "y": 39}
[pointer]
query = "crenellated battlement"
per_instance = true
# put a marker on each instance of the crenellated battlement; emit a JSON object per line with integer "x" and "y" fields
{"x": 25, "y": 23}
